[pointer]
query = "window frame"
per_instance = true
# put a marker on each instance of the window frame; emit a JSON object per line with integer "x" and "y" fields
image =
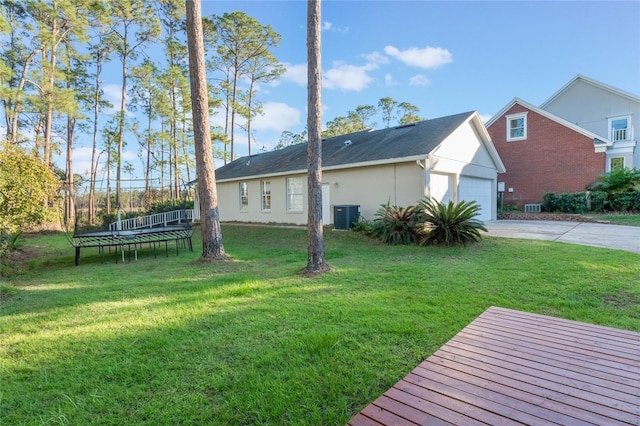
{"x": 265, "y": 195}
{"x": 243, "y": 188}
{"x": 611, "y": 160}
{"x": 512, "y": 117}
{"x": 295, "y": 200}
{"x": 627, "y": 118}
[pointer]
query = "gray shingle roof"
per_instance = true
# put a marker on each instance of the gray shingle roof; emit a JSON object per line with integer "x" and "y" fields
{"x": 397, "y": 142}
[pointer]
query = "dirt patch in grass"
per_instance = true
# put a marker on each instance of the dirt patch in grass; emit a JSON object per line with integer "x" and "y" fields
{"x": 622, "y": 300}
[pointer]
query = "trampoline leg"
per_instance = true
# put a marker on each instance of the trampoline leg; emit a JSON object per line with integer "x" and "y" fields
{"x": 77, "y": 255}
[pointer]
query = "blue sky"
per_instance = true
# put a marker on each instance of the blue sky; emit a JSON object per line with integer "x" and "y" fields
{"x": 444, "y": 57}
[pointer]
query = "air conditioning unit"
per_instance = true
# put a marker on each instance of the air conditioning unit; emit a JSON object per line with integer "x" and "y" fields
{"x": 344, "y": 216}
{"x": 532, "y": 208}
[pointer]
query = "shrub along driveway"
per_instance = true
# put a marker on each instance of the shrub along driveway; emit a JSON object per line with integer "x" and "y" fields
{"x": 589, "y": 234}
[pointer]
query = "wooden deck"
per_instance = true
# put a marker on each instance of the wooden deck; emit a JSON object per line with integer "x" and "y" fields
{"x": 509, "y": 367}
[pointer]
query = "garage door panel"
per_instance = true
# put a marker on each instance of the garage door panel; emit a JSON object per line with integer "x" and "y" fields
{"x": 478, "y": 190}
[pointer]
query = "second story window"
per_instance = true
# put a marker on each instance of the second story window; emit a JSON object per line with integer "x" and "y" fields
{"x": 517, "y": 127}
{"x": 619, "y": 129}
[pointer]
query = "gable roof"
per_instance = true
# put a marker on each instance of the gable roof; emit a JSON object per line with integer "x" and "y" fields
{"x": 581, "y": 78}
{"x": 597, "y": 139}
{"x": 408, "y": 142}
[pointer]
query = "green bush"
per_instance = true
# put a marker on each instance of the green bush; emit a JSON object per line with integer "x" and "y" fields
{"x": 449, "y": 224}
{"x": 363, "y": 225}
{"x": 624, "y": 201}
{"x": 169, "y": 205}
{"x": 621, "y": 180}
{"x": 575, "y": 202}
{"x": 396, "y": 225}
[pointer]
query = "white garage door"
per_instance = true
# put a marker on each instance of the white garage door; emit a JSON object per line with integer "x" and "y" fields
{"x": 478, "y": 190}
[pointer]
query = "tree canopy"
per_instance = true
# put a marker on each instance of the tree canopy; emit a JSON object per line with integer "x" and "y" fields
{"x": 25, "y": 182}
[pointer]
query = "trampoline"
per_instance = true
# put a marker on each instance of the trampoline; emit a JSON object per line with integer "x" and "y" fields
{"x": 130, "y": 240}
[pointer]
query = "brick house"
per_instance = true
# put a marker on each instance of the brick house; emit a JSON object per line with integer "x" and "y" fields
{"x": 583, "y": 130}
{"x": 543, "y": 153}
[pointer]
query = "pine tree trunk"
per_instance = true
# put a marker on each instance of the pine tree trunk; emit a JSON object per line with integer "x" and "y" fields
{"x": 212, "y": 248}
{"x": 316, "y": 262}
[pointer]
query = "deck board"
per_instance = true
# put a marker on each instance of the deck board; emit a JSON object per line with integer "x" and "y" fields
{"x": 510, "y": 367}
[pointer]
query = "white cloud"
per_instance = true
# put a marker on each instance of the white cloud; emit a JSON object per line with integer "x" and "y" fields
{"x": 419, "y": 80}
{"x": 328, "y": 26}
{"x": 277, "y": 116}
{"x": 113, "y": 93}
{"x": 389, "y": 81}
{"x": 426, "y": 57}
{"x": 376, "y": 58}
{"x": 296, "y": 73}
{"x": 348, "y": 77}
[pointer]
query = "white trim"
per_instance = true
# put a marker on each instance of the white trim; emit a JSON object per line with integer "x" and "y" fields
{"x": 262, "y": 195}
{"x": 243, "y": 186}
{"x": 514, "y": 117}
{"x": 628, "y": 129}
{"x": 288, "y": 207}
{"x": 624, "y": 162}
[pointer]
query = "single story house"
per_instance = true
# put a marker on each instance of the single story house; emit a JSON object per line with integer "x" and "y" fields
{"x": 448, "y": 158}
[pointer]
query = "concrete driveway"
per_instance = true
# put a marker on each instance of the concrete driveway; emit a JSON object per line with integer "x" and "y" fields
{"x": 590, "y": 234}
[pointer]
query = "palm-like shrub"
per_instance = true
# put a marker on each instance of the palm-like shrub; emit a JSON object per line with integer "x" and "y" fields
{"x": 449, "y": 224}
{"x": 396, "y": 225}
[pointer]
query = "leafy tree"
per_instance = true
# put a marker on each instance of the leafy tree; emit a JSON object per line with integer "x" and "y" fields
{"x": 135, "y": 24}
{"x": 99, "y": 53}
{"x": 262, "y": 68}
{"x": 58, "y": 24}
{"x": 316, "y": 262}
{"x": 409, "y": 113}
{"x": 363, "y": 115}
{"x": 212, "y": 248}
{"x": 388, "y": 107}
{"x": 288, "y": 138}
{"x": 25, "y": 184}
{"x": 243, "y": 50}
{"x": 16, "y": 58}
{"x": 342, "y": 126}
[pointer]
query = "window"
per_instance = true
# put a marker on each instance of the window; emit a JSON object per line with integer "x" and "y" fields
{"x": 265, "y": 189}
{"x": 294, "y": 194}
{"x": 616, "y": 163}
{"x": 619, "y": 128}
{"x": 244, "y": 197}
{"x": 517, "y": 127}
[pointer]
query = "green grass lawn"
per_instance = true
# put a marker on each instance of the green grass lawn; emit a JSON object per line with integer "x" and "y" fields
{"x": 167, "y": 341}
{"x": 618, "y": 218}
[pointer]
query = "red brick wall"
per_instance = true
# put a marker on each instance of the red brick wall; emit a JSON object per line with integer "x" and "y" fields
{"x": 553, "y": 158}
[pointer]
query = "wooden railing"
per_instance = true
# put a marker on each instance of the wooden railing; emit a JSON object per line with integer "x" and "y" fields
{"x": 154, "y": 220}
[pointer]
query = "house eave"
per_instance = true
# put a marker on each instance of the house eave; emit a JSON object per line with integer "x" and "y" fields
{"x": 385, "y": 161}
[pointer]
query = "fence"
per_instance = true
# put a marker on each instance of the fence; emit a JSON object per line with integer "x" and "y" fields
{"x": 154, "y": 220}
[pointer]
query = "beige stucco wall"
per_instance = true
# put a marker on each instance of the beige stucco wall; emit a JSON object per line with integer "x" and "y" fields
{"x": 402, "y": 184}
